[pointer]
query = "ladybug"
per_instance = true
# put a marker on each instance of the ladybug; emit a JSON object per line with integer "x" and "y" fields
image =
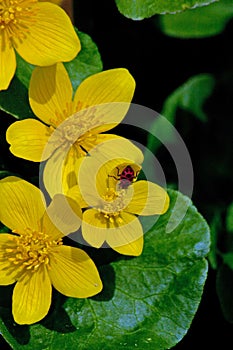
{"x": 126, "y": 177}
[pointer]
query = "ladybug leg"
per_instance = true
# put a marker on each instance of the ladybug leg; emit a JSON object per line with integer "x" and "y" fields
{"x": 116, "y": 178}
{"x": 118, "y": 172}
{"x": 118, "y": 175}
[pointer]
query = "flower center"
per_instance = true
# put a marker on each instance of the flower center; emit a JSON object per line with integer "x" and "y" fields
{"x": 14, "y": 15}
{"x": 30, "y": 249}
{"x": 113, "y": 206}
{"x": 75, "y": 130}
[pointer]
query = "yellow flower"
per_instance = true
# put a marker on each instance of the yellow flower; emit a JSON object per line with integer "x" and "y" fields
{"x": 115, "y": 205}
{"x": 101, "y": 102}
{"x": 34, "y": 255}
{"x": 104, "y": 162}
{"x": 40, "y": 32}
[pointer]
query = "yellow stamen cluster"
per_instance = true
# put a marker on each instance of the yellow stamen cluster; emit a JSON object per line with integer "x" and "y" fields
{"x": 14, "y": 16}
{"x": 113, "y": 206}
{"x": 30, "y": 249}
{"x": 75, "y": 128}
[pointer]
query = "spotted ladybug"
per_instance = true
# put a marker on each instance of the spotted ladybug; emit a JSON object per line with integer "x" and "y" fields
{"x": 126, "y": 177}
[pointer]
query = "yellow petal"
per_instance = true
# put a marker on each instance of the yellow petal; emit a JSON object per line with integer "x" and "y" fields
{"x": 148, "y": 199}
{"x": 53, "y": 171}
{"x": 32, "y": 297}
{"x": 89, "y": 143}
{"x": 50, "y": 38}
{"x": 111, "y": 92}
{"x": 70, "y": 170}
{"x": 62, "y": 217}
{"x": 75, "y": 194}
{"x": 127, "y": 237}
{"x": 94, "y": 228}
{"x": 22, "y": 204}
{"x": 7, "y": 62}
{"x": 114, "y": 85}
{"x": 60, "y": 172}
{"x": 27, "y": 139}
{"x": 73, "y": 273}
{"x": 133, "y": 248}
{"x": 88, "y": 189}
{"x": 117, "y": 148}
{"x": 50, "y": 94}
{"x": 8, "y": 271}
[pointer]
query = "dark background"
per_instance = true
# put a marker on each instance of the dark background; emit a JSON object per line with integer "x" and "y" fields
{"x": 159, "y": 65}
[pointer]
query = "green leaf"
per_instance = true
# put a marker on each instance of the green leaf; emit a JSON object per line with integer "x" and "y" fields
{"x": 228, "y": 259}
{"x": 15, "y": 100}
{"x": 5, "y": 173}
{"x": 87, "y": 62}
{"x": 229, "y": 218}
{"x": 224, "y": 280}
{"x": 139, "y": 9}
{"x": 199, "y": 22}
{"x": 224, "y": 287}
{"x": 148, "y": 302}
{"x": 190, "y": 97}
{"x": 3, "y": 229}
{"x": 23, "y": 71}
{"x": 215, "y": 229}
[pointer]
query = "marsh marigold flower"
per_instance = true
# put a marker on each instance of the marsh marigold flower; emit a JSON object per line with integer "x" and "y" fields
{"x": 34, "y": 255}
{"x": 114, "y": 206}
{"x": 100, "y": 103}
{"x": 41, "y": 33}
